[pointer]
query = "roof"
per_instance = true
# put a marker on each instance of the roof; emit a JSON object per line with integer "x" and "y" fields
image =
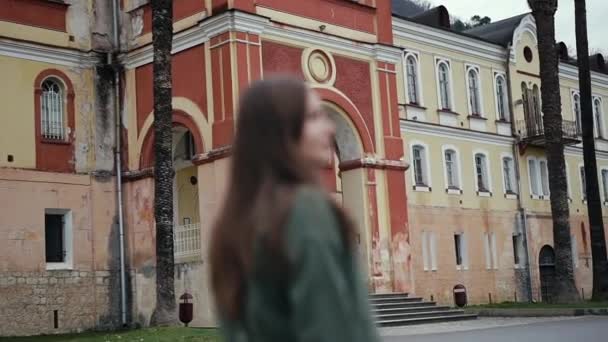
{"x": 500, "y": 32}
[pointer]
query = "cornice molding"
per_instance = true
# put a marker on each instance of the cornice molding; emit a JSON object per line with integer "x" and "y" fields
{"x": 49, "y": 54}
{"x": 570, "y": 72}
{"x": 442, "y": 39}
{"x": 417, "y": 127}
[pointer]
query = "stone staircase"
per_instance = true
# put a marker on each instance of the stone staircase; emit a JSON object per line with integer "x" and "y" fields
{"x": 397, "y": 309}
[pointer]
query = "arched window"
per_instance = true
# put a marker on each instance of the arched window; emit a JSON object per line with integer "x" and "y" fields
{"x": 525, "y": 99}
{"x": 597, "y": 117}
{"x": 419, "y": 161}
{"x": 52, "y": 101}
{"x": 576, "y": 100}
{"x": 481, "y": 173}
{"x": 508, "y": 171}
{"x": 474, "y": 96}
{"x": 444, "y": 85}
{"x": 412, "y": 79}
{"x": 501, "y": 98}
{"x": 451, "y": 169}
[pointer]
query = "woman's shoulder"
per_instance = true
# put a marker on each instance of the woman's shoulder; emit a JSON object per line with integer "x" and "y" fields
{"x": 312, "y": 214}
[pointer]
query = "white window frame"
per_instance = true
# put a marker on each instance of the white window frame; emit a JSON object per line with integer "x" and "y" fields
{"x": 426, "y": 163}
{"x": 488, "y": 173}
{"x": 429, "y": 250}
{"x": 507, "y": 113}
{"x": 504, "y": 177}
{"x": 490, "y": 250}
{"x": 444, "y": 148}
{"x": 568, "y": 184}
{"x": 416, "y": 56}
{"x": 68, "y": 237}
{"x": 582, "y": 181}
{"x": 604, "y": 185}
{"x": 599, "y": 133}
{"x": 63, "y": 130}
{"x": 546, "y": 195}
{"x": 468, "y": 69}
{"x": 463, "y": 252}
{"x": 537, "y": 177}
{"x": 448, "y": 64}
{"x": 577, "y": 118}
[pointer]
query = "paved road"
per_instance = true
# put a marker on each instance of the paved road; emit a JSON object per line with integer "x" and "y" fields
{"x": 578, "y": 329}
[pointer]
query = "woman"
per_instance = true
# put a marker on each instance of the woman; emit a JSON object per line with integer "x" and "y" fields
{"x": 282, "y": 256}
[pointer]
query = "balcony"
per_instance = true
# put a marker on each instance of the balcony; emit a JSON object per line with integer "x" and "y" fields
{"x": 532, "y": 132}
{"x": 187, "y": 242}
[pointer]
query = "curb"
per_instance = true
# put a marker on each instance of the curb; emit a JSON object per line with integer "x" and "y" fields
{"x": 538, "y": 312}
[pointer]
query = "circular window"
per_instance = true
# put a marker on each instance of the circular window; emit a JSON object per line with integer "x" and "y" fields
{"x": 528, "y": 54}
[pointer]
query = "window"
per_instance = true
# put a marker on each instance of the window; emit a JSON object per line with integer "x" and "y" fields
{"x": 429, "y": 250}
{"x": 583, "y": 183}
{"x": 474, "y": 96}
{"x": 508, "y": 170}
{"x": 605, "y": 184}
{"x": 544, "y": 177}
{"x": 576, "y": 101}
{"x": 58, "y": 238}
{"x": 411, "y": 65}
{"x": 574, "y": 250}
{"x": 501, "y": 98}
{"x": 451, "y": 169}
{"x": 597, "y": 117}
{"x": 460, "y": 249}
{"x": 444, "y": 85}
{"x": 481, "y": 172}
{"x": 490, "y": 250}
{"x": 419, "y": 161}
{"x": 52, "y": 111}
{"x": 534, "y": 186}
{"x": 517, "y": 243}
{"x": 536, "y": 101}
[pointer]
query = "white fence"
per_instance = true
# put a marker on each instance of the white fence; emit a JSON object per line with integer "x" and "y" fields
{"x": 187, "y": 241}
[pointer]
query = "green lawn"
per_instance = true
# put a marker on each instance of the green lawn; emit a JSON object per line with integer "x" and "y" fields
{"x": 172, "y": 334}
{"x": 512, "y": 305}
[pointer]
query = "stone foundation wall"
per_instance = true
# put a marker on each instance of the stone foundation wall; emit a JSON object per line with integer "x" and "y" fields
{"x": 82, "y": 300}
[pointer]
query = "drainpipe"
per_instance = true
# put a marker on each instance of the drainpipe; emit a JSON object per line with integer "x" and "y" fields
{"x": 521, "y": 210}
{"x": 118, "y": 158}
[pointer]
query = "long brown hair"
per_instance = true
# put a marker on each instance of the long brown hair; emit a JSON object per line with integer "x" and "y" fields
{"x": 266, "y": 170}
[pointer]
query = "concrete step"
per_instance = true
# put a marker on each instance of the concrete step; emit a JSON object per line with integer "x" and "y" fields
{"x": 399, "y": 310}
{"x": 395, "y": 300}
{"x": 433, "y": 313}
{"x": 402, "y": 305}
{"x": 423, "y": 320}
{"x": 387, "y": 295}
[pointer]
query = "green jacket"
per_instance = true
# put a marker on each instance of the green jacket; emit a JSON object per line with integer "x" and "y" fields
{"x": 322, "y": 299}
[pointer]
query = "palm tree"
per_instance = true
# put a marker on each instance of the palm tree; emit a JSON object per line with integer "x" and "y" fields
{"x": 594, "y": 206}
{"x": 162, "y": 36}
{"x": 564, "y": 289}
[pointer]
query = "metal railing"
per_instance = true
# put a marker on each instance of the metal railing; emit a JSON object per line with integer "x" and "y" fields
{"x": 527, "y": 129}
{"x": 187, "y": 241}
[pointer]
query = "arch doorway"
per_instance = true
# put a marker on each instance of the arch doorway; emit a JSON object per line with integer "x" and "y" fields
{"x": 546, "y": 265}
{"x": 348, "y": 184}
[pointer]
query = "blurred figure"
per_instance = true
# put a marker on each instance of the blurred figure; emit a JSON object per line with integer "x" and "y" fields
{"x": 283, "y": 264}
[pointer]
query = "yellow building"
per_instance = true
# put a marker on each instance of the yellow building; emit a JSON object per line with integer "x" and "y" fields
{"x": 478, "y": 198}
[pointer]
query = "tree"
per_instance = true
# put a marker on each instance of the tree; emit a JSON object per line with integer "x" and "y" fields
{"x": 564, "y": 289}
{"x": 162, "y": 36}
{"x": 477, "y": 20}
{"x": 594, "y": 205}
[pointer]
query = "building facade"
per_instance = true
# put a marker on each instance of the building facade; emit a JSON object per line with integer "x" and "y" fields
{"x": 460, "y": 110}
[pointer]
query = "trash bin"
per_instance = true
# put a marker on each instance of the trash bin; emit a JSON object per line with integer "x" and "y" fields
{"x": 185, "y": 308}
{"x": 460, "y": 295}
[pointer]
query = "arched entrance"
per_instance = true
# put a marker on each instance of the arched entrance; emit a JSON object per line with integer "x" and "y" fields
{"x": 349, "y": 185}
{"x": 546, "y": 265}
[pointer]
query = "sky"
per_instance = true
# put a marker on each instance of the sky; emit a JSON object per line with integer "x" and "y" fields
{"x": 597, "y": 12}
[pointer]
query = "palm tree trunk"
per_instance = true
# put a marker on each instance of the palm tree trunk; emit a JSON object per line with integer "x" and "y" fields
{"x": 162, "y": 36}
{"x": 564, "y": 289}
{"x": 594, "y": 206}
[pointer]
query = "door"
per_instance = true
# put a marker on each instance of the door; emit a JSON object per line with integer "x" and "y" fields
{"x": 546, "y": 264}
